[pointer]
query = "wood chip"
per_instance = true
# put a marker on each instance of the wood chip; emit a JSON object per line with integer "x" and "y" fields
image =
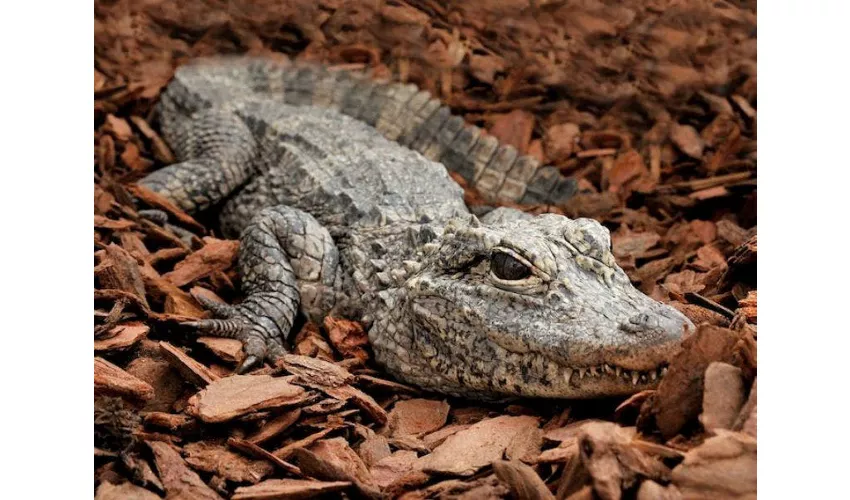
{"x": 112, "y": 380}
{"x": 289, "y": 489}
{"x": 417, "y": 416}
{"x": 593, "y": 153}
{"x": 678, "y": 398}
{"x": 215, "y": 255}
{"x": 467, "y": 451}
{"x": 237, "y": 395}
{"x": 387, "y": 385}
{"x": 347, "y": 337}
{"x": 437, "y": 438}
{"x": 748, "y": 306}
{"x": 176, "y": 301}
{"x": 315, "y": 372}
{"x": 158, "y": 146}
{"x": 522, "y": 480}
{"x": 218, "y": 460}
{"x": 288, "y": 450}
{"x": 170, "y": 421}
{"x": 514, "y": 129}
{"x": 229, "y": 350}
{"x": 167, "y": 383}
{"x": 119, "y": 128}
{"x": 747, "y": 420}
{"x": 650, "y": 490}
{"x": 276, "y": 426}
{"x": 613, "y": 464}
{"x": 192, "y": 371}
{"x": 334, "y": 460}
{"x": 123, "y": 491}
{"x": 178, "y": 479}
{"x": 561, "y": 141}
{"x": 255, "y": 451}
{"x": 723, "y": 396}
{"x": 121, "y": 337}
{"x": 393, "y": 467}
{"x": 118, "y": 270}
{"x": 360, "y": 399}
{"x": 688, "y": 140}
{"x": 628, "y": 167}
{"x": 722, "y": 467}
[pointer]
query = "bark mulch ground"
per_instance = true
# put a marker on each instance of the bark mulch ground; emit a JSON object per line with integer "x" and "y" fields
{"x": 651, "y": 105}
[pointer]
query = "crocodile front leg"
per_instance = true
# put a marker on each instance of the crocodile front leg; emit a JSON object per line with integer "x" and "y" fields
{"x": 286, "y": 258}
{"x": 216, "y": 150}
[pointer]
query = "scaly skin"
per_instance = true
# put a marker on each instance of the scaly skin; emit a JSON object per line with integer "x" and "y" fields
{"x": 337, "y": 216}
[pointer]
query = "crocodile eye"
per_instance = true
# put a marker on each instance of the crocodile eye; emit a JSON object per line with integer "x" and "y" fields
{"x": 508, "y": 268}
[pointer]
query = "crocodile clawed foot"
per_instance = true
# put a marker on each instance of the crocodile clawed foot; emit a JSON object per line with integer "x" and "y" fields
{"x": 233, "y": 322}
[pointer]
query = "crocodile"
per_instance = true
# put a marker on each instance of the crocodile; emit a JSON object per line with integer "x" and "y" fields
{"x": 337, "y": 185}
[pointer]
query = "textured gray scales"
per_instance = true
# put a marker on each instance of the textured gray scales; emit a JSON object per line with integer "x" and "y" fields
{"x": 337, "y": 186}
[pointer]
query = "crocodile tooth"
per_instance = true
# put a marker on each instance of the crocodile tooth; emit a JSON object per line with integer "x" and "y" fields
{"x": 643, "y": 377}
{"x": 594, "y": 371}
{"x": 568, "y": 373}
{"x": 581, "y": 373}
{"x": 618, "y": 371}
{"x": 634, "y": 377}
{"x": 653, "y": 375}
{"x": 664, "y": 371}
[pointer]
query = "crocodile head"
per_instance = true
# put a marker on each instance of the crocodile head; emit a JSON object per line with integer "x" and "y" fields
{"x": 535, "y": 307}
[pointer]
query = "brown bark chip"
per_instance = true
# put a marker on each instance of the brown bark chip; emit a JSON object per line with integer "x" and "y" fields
{"x": 215, "y": 255}
{"x": 374, "y": 449}
{"x": 747, "y": 419}
{"x": 224, "y": 463}
{"x": 333, "y": 459}
{"x": 289, "y": 489}
{"x": 112, "y": 380}
{"x": 723, "y": 396}
{"x": 347, "y": 337}
{"x": 237, "y": 395}
{"x": 469, "y": 450}
{"x": 514, "y": 128}
{"x": 276, "y": 426}
{"x": 417, "y": 416}
{"x": 560, "y": 141}
{"x": 613, "y": 464}
{"x": 393, "y": 467}
{"x": 178, "y": 479}
{"x": 315, "y": 371}
{"x": 229, "y": 350}
{"x": 167, "y": 383}
{"x": 123, "y": 491}
{"x": 678, "y": 399}
{"x": 191, "y": 370}
{"x": 360, "y": 399}
{"x": 650, "y": 490}
{"x": 522, "y": 480}
{"x": 118, "y": 270}
{"x": 723, "y": 466}
{"x": 688, "y": 140}
{"x": 121, "y": 337}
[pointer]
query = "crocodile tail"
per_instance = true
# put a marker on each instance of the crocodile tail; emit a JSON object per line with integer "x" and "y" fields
{"x": 409, "y": 116}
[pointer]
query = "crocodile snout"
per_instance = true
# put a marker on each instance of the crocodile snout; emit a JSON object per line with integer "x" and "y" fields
{"x": 663, "y": 322}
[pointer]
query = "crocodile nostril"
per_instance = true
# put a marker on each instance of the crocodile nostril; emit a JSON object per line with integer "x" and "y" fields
{"x": 642, "y": 319}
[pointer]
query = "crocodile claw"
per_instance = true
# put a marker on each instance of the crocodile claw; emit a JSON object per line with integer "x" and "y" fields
{"x": 234, "y": 322}
{"x": 249, "y": 363}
